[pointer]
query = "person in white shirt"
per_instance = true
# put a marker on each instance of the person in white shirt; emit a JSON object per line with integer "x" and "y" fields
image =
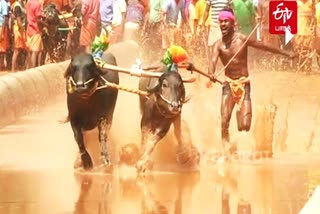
{"x": 119, "y": 12}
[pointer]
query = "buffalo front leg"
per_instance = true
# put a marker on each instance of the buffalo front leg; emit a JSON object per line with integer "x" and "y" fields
{"x": 149, "y": 142}
{"x": 103, "y": 127}
{"x": 78, "y": 136}
{"x": 186, "y": 151}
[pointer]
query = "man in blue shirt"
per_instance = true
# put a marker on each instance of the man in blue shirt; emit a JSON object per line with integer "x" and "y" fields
{"x": 106, "y": 13}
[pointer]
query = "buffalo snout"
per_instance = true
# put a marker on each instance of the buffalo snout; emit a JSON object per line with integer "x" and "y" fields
{"x": 84, "y": 85}
{"x": 80, "y": 85}
{"x": 175, "y": 106}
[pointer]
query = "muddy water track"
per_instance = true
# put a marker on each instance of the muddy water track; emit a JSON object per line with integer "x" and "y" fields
{"x": 37, "y": 155}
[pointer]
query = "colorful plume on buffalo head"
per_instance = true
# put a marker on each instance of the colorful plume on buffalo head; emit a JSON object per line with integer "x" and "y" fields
{"x": 174, "y": 55}
{"x": 100, "y": 44}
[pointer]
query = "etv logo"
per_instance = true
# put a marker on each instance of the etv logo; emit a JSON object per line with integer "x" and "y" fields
{"x": 283, "y": 16}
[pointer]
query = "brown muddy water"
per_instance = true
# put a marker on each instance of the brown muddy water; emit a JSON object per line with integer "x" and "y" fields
{"x": 37, "y": 155}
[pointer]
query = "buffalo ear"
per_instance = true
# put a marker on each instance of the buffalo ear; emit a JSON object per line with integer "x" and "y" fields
{"x": 154, "y": 85}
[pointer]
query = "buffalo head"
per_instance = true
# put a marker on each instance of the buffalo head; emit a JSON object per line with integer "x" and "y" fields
{"x": 169, "y": 92}
{"x": 51, "y": 14}
{"x": 82, "y": 75}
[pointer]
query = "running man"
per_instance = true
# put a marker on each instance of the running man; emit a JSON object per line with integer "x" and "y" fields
{"x": 236, "y": 89}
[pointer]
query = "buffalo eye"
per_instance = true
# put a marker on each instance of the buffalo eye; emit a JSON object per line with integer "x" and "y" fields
{"x": 165, "y": 84}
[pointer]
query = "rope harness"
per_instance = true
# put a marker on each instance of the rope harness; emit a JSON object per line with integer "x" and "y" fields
{"x": 72, "y": 84}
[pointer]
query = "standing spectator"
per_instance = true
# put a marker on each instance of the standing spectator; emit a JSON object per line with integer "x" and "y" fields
{"x": 90, "y": 20}
{"x": 263, "y": 20}
{"x": 200, "y": 9}
{"x": 216, "y": 7}
{"x": 152, "y": 30}
{"x": 119, "y": 12}
{"x": 193, "y": 19}
{"x": 171, "y": 30}
{"x": 34, "y": 40}
{"x": 153, "y": 19}
{"x": 134, "y": 19}
{"x": 186, "y": 8}
{"x": 245, "y": 15}
{"x": 4, "y": 27}
{"x": 106, "y": 14}
{"x": 19, "y": 33}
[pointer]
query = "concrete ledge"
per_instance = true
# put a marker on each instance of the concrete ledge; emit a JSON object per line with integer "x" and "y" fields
{"x": 26, "y": 92}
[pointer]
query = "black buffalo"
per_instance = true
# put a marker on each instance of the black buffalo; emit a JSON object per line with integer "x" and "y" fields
{"x": 90, "y": 105}
{"x": 54, "y": 39}
{"x": 161, "y": 109}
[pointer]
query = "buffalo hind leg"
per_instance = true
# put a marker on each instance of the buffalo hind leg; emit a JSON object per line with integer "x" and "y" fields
{"x": 149, "y": 142}
{"x": 78, "y": 135}
{"x": 103, "y": 128}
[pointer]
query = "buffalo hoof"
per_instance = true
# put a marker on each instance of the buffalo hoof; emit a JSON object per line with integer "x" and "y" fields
{"x": 105, "y": 160}
{"x": 188, "y": 156}
{"x": 143, "y": 166}
{"x": 77, "y": 163}
{"x": 106, "y": 168}
{"x": 86, "y": 160}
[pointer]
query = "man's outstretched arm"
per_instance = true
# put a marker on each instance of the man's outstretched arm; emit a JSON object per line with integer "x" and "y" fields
{"x": 259, "y": 45}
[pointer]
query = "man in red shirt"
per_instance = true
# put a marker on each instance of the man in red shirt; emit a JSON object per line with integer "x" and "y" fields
{"x": 34, "y": 40}
{"x": 90, "y": 20}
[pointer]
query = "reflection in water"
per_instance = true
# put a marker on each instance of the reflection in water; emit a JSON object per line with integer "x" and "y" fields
{"x": 243, "y": 189}
{"x": 164, "y": 194}
{"x": 95, "y": 194}
{"x": 150, "y": 194}
{"x": 149, "y": 203}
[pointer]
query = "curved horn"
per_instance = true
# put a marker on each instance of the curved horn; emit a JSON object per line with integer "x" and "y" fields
{"x": 187, "y": 99}
{"x": 189, "y": 80}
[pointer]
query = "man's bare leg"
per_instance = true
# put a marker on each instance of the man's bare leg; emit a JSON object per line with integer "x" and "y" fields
{"x": 244, "y": 116}
{"x": 14, "y": 59}
{"x": 2, "y": 61}
{"x": 227, "y": 105}
{"x": 33, "y": 55}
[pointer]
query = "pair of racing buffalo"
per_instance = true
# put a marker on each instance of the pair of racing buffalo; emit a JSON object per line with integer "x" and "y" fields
{"x": 91, "y": 105}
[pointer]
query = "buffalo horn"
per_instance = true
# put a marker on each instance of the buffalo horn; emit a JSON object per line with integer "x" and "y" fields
{"x": 65, "y": 16}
